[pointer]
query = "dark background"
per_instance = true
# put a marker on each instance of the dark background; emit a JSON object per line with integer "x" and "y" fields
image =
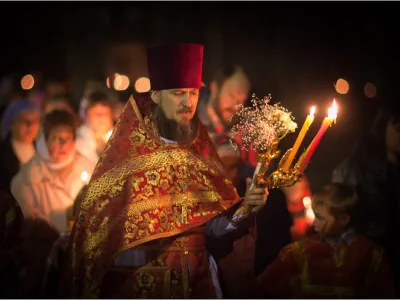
{"x": 294, "y": 50}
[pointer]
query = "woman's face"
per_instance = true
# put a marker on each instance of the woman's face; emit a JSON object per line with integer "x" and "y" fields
{"x": 26, "y": 126}
{"x": 60, "y": 143}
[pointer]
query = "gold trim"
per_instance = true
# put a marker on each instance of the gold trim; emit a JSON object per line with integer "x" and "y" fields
{"x": 158, "y": 159}
{"x": 151, "y": 204}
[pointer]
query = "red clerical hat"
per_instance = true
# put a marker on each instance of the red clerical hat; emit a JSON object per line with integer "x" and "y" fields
{"x": 175, "y": 66}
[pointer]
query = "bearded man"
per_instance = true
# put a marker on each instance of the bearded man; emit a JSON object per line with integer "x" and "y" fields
{"x": 159, "y": 188}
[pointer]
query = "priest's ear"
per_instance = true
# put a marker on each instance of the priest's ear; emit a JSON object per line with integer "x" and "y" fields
{"x": 156, "y": 96}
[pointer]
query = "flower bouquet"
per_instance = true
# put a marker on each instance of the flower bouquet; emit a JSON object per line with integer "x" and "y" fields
{"x": 260, "y": 127}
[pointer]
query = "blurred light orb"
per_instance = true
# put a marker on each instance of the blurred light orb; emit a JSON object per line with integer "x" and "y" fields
{"x": 27, "y": 82}
{"x": 342, "y": 86}
{"x": 370, "y": 90}
{"x": 142, "y": 85}
{"x": 121, "y": 82}
{"x": 108, "y": 82}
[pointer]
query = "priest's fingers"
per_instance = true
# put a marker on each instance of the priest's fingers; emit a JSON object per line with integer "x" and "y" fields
{"x": 256, "y": 202}
{"x": 258, "y": 191}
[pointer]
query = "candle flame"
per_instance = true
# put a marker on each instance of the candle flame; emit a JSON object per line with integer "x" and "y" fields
{"x": 84, "y": 176}
{"x": 307, "y": 202}
{"x": 333, "y": 110}
{"x": 312, "y": 111}
{"x": 309, "y": 213}
{"x": 109, "y": 134}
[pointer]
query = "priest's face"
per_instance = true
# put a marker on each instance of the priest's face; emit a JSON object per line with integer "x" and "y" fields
{"x": 175, "y": 112}
{"x": 178, "y": 104}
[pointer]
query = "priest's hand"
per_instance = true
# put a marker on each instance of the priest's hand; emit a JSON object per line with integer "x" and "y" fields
{"x": 256, "y": 197}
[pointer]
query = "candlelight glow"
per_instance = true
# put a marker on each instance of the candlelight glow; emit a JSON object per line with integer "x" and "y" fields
{"x": 333, "y": 110}
{"x": 121, "y": 83}
{"x": 309, "y": 213}
{"x": 27, "y": 82}
{"x": 307, "y": 202}
{"x": 312, "y": 111}
{"x": 108, "y": 82}
{"x": 109, "y": 134}
{"x": 84, "y": 176}
{"x": 142, "y": 85}
{"x": 342, "y": 86}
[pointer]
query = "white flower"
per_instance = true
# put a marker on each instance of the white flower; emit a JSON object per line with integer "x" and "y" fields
{"x": 259, "y": 125}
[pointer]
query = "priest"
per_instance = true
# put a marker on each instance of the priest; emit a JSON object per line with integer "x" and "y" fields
{"x": 158, "y": 189}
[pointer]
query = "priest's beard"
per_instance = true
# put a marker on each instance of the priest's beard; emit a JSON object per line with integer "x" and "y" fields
{"x": 172, "y": 130}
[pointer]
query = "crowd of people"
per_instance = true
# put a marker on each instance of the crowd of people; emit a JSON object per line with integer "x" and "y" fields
{"x": 149, "y": 202}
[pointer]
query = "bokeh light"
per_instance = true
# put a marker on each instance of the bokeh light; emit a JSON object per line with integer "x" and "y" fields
{"x": 27, "y": 82}
{"x": 121, "y": 82}
{"x": 370, "y": 90}
{"x": 142, "y": 85}
{"x": 342, "y": 86}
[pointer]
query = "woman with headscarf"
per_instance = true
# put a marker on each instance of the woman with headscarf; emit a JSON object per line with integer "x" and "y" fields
{"x": 19, "y": 127}
{"x": 49, "y": 183}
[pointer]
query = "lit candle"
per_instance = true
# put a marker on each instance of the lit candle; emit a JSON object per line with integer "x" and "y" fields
{"x": 299, "y": 140}
{"x": 84, "y": 177}
{"x": 109, "y": 134}
{"x": 305, "y": 158}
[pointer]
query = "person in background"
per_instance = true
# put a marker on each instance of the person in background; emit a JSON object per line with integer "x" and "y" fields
{"x": 19, "y": 127}
{"x": 374, "y": 170}
{"x": 47, "y": 185}
{"x": 57, "y": 256}
{"x": 229, "y": 87}
{"x": 94, "y": 133}
{"x": 57, "y": 103}
{"x": 340, "y": 263}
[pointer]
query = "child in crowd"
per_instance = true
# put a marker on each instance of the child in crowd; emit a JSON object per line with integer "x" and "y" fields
{"x": 340, "y": 263}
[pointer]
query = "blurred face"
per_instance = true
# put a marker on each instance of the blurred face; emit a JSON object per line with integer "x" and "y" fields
{"x": 393, "y": 136}
{"x": 57, "y": 105}
{"x": 178, "y": 104}
{"x": 60, "y": 143}
{"x": 25, "y": 127}
{"x": 100, "y": 118}
{"x": 325, "y": 224}
{"x": 233, "y": 92}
